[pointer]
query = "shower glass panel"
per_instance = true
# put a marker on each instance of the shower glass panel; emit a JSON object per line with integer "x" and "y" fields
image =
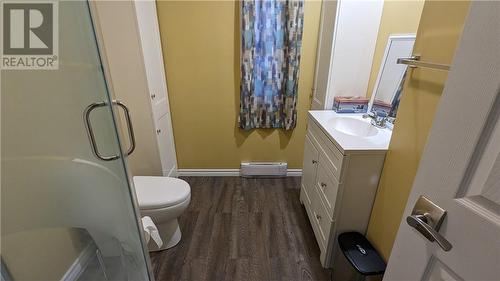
{"x": 65, "y": 214}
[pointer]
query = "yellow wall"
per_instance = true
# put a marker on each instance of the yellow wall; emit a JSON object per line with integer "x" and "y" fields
{"x": 398, "y": 17}
{"x": 201, "y": 50}
{"x": 438, "y": 33}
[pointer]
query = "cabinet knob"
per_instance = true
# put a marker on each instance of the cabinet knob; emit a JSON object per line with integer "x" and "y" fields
{"x": 323, "y": 185}
{"x": 318, "y": 217}
{"x": 158, "y": 131}
{"x": 153, "y": 96}
{"x": 314, "y": 161}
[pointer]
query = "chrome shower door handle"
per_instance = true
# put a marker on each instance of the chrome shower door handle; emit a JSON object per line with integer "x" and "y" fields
{"x": 90, "y": 132}
{"x": 427, "y": 218}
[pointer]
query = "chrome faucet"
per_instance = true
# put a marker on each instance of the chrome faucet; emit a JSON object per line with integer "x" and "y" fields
{"x": 378, "y": 119}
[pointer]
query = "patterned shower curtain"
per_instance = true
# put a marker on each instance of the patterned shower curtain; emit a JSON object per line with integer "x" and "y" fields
{"x": 271, "y": 37}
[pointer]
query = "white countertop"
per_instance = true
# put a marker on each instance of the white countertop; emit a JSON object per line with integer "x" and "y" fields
{"x": 346, "y": 142}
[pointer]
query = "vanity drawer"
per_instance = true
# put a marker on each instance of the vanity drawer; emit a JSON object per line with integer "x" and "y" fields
{"x": 310, "y": 201}
{"x": 327, "y": 187}
{"x": 321, "y": 219}
{"x": 332, "y": 157}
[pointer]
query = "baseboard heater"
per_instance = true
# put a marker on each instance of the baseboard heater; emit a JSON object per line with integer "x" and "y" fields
{"x": 263, "y": 169}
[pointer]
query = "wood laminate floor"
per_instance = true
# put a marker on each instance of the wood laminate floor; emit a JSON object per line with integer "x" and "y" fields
{"x": 242, "y": 229}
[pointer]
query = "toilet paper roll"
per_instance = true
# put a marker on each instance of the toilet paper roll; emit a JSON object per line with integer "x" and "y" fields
{"x": 151, "y": 231}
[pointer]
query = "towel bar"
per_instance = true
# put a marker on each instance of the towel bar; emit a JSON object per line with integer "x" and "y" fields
{"x": 414, "y": 62}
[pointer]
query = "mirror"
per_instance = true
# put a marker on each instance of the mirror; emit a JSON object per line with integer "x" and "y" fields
{"x": 387, "y": 92}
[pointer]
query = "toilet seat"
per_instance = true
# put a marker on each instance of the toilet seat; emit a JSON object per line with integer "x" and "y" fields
{"x": 160, "y": 192}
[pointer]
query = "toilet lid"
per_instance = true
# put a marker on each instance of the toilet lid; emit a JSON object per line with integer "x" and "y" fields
{"x": 160, "y": 192}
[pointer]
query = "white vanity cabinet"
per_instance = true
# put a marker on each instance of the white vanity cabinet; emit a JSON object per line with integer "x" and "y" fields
{"x": 338, "y": 186}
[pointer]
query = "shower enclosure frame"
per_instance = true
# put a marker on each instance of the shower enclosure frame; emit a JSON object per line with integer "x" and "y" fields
{"x": 93, "y": 8}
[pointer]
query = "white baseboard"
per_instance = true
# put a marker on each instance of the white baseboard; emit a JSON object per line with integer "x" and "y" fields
{"x": 225, "y": 172}
{"x": 208, "y": 172}
{"x": 294, "y": 173}
{"x": 80, "y": 263}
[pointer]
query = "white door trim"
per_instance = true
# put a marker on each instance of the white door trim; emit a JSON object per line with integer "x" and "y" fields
{"x": 324, "y": 19}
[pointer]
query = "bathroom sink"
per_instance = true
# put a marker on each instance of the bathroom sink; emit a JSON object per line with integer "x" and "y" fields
{"x": 353, "y": 127}
{"x": 350, "y": 131}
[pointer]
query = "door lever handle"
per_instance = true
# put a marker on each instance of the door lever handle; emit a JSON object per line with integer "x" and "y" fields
{"x": 419, "y": 222}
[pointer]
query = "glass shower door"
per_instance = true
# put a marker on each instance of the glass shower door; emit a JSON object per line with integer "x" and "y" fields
{"x": 65, "y": 213}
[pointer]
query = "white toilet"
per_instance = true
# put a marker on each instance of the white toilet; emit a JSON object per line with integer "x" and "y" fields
{"x": 163, "y": 199}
